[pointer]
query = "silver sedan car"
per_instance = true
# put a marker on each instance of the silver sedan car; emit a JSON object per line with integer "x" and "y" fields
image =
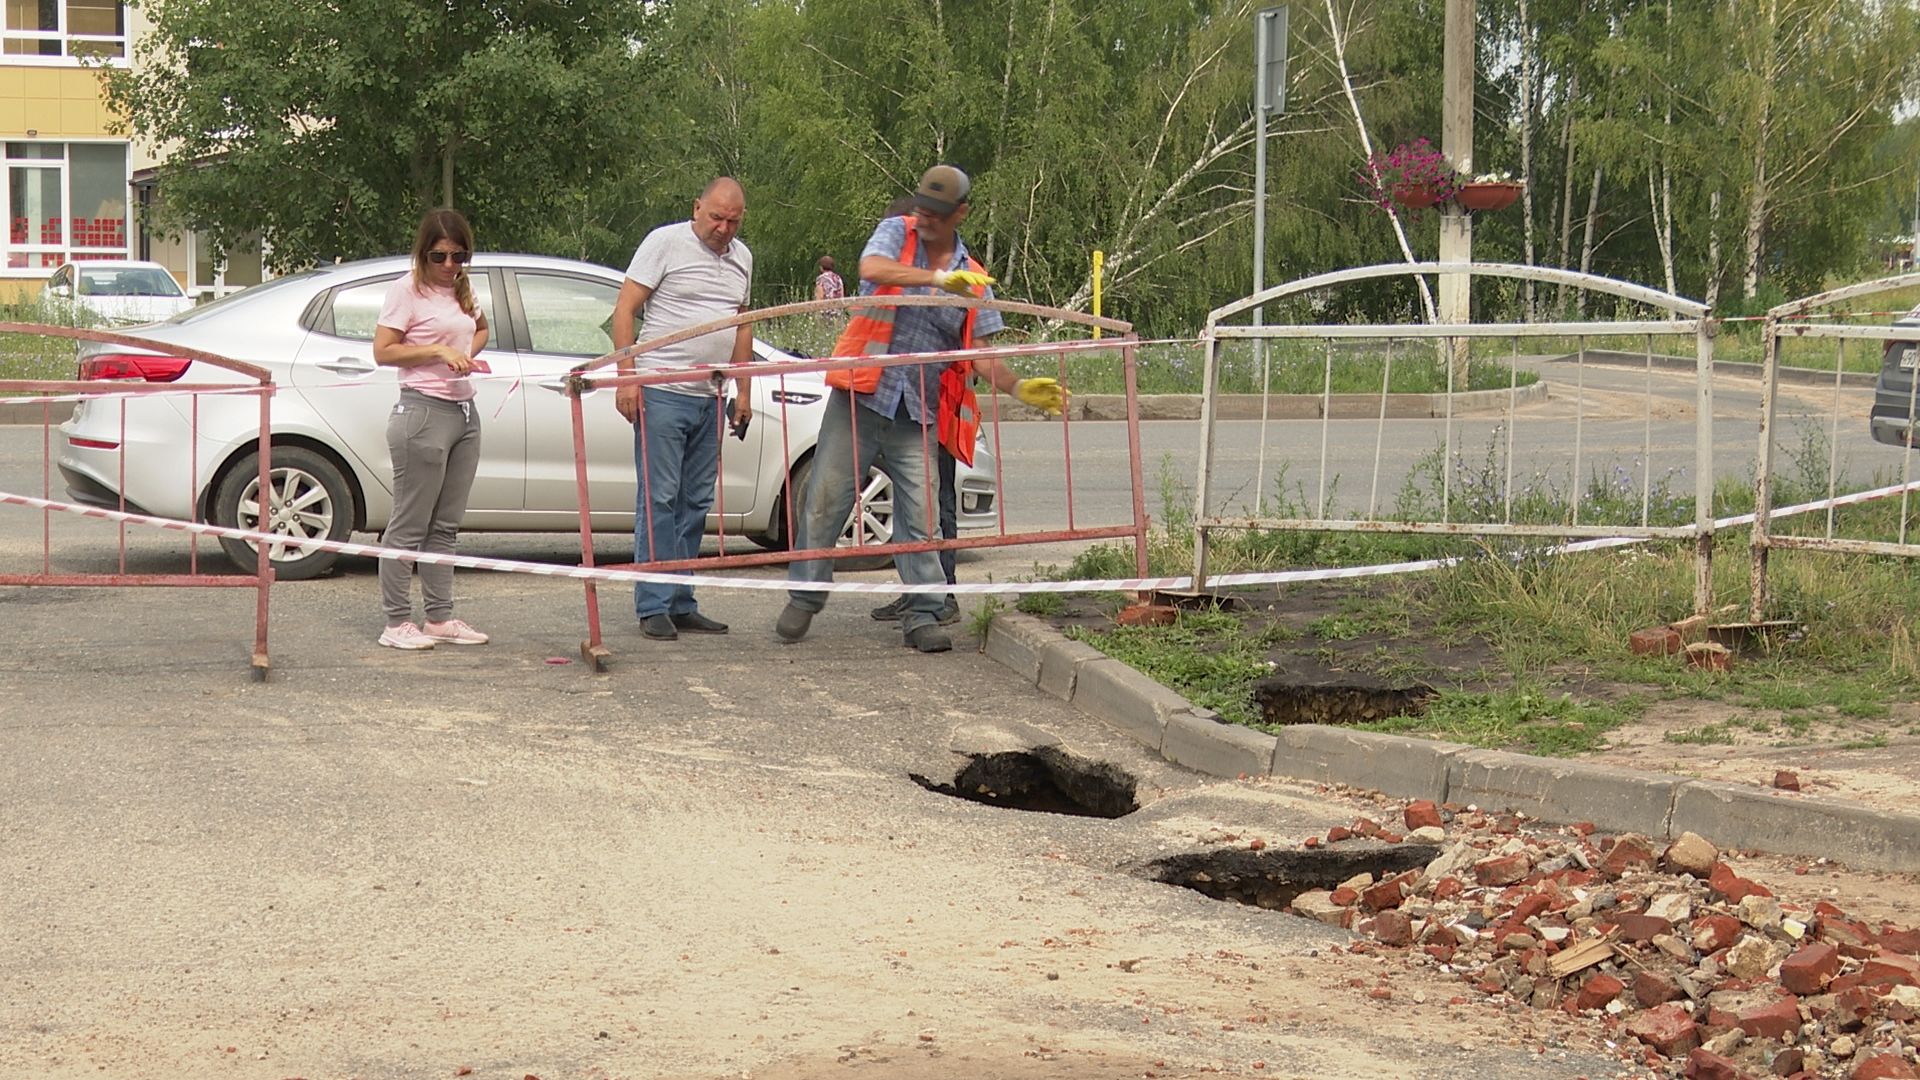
{"x": 195, "y": 457}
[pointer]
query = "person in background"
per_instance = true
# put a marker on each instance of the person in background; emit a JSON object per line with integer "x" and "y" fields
{"x": 902, "y": 408}
{"x": 431, "y": 329}
{"x": 827, "y": 285}
{"x": 683, "y": 274}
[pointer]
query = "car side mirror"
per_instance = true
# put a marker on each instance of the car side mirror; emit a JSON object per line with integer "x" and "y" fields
{"x": 62, "y": 289}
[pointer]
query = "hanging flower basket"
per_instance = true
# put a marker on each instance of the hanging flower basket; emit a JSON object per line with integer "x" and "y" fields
{"x": 1487, "y": 196}
{"x": 1414, "y": 175}
{"x": 1417, "y": 196}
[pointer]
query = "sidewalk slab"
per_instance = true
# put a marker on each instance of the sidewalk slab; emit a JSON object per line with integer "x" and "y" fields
{"x": 1840, "y": 829}
{"x": 1557, "y": 790}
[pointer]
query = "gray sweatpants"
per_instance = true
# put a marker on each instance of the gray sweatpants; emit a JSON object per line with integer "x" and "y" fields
{"x": 436, "y": 448}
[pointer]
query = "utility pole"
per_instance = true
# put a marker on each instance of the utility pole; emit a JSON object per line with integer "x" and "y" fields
{"x": 1456, "y": 142}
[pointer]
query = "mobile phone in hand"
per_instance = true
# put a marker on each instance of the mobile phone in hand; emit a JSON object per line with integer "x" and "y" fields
{"x": 740, "y": 427}
{"x": 477, "y": 366}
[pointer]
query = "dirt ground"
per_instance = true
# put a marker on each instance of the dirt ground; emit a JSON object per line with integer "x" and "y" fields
{"x": 1343, "y": 679}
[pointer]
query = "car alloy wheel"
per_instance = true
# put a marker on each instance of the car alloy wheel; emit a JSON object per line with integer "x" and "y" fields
{"x": 307, "y": 499}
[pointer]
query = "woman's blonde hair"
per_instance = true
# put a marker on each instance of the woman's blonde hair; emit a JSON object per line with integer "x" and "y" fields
{"x": 438, "y": 225}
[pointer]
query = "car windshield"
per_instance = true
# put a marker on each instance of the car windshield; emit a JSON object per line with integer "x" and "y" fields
{"x": 128, "y": 281}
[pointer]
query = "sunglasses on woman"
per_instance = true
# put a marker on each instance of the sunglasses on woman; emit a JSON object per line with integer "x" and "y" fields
{"x": 460, "y": 258}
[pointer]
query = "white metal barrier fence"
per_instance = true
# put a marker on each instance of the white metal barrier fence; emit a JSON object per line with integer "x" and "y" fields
{"x": 1493, "y": 517}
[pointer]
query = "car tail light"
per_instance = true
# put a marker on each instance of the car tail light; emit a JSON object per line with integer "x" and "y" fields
{"x": 141, "y": 367}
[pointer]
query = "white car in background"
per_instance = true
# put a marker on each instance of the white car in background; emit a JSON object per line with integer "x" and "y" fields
{"x": 119, "y": 292}
{"x": 332, "y": 474}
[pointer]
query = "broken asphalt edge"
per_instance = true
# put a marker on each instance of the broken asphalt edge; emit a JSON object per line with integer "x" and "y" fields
{"x": 1551, "y": 789}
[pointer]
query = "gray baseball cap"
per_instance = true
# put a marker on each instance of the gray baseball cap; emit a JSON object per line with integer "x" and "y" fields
{"x": 942, "y": 188}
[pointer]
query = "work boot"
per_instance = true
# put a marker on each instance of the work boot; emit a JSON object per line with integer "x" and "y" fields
{"x": 695, "y": 623}
{"x": 929, "y": 639}
{"x": 793, "y": 623}
{"x": 949, "y": 611}
{"x": 659, "y": 628}
{"x": 891, "y": 610}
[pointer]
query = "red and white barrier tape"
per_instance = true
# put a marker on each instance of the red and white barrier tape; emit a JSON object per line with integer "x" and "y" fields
{"x": 518, "y": 566}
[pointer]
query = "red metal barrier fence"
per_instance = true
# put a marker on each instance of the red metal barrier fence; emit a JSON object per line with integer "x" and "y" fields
{"x": 122, "y": 391}
{"x": 594, "y": 649}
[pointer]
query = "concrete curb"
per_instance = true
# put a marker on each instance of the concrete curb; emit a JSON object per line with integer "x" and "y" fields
{"x": 1555, "y": 790}
{"x": 1804, "y": 376}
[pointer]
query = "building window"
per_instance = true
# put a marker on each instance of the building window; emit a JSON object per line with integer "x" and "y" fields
{"x": 64, "y": 201}
{"x": 63, "y": 30}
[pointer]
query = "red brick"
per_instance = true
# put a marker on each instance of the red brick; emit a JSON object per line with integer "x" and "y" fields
{"x": 1311, "y": 841}
{"x": 1655, "y": 641}
{"x": 1439, "y": 951}
{"x": 1840, "y": 930}
{"x": 1891, "y": 968}
{"x": 1421, "y": 813}
{"x": 1533, "y": 904}
{"x": 1393, "y": 928}
{"x": 1668, "y": 1029}
{"x": 1345, "y": 896}
{"x": 1447, "y": 888}
{"x": 1627, "y": 852}
{"x": 1365, "y": 826}
{"x": 1502, "y": 869}
{"x": 1597, "y": 991}
{"x": 1641, "y": 928}
{"x": 1731, "y": 887}
{"x": 1786, "y": 780}
{"x": 1810, "y": 968}
{"x": 1851, "y": 1007}
{"x": 1883, "y": 1067}
{"x": 1772, "y": 1020}
{"x": 1339, "y": 833}
{"x": 1651, "y": 988}
{"x": 1711, "y": 933}
{"x": 1900, "y": 941}
{"x": 1706, "y": 1065}
{"x": 1790, "y": 1062}
{"x": 1148, "y": 615}
{"x": 1386, "y": 894}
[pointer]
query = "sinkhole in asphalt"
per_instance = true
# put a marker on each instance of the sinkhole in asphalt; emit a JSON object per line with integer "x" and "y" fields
{"x": 1045, "y": 780}
{"x": 1271, "y": 879}
{"x": 1284, "y": 701}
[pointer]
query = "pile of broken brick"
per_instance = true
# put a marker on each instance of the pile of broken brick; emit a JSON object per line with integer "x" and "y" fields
{"x": 1700, "y": 972}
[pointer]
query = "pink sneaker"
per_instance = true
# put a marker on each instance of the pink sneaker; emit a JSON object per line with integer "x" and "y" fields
{"x": 455, "y": 632}
{"x": 405, "y": 636}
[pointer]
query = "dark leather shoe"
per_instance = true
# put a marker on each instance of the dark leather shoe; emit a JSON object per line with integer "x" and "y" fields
{"x": 891, "y": 610}
{"x": 695, "y": 623}
{"x": 659, "y": 628}
{"x": 793, "y": 623}
{"x": 949, "y": 612}
{"x": 929, "y": 639}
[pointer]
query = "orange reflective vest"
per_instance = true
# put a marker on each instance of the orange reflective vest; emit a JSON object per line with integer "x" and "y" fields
{"x": 870, "y": 333}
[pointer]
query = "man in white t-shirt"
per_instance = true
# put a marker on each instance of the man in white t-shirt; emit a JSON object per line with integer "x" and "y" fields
{"x": 684, "y": 274}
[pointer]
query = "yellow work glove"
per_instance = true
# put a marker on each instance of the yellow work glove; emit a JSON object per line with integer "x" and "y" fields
{"x": 960, "y": 282}
{"x": 1043, "y": 394}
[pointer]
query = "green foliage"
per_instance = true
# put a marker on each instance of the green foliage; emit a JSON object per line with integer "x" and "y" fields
{"x": 1041, "y": 603}
{"x": 1206, "y": 656}
{"x": 1519, "y": 718}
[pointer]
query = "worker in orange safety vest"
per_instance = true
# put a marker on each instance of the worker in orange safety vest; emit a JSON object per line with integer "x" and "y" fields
{"x": 881, "y": 415}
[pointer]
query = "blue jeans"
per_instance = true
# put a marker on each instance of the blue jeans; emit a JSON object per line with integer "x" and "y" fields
{"x": 676, "y": 453}
{"x": 949, "y": 514}
{"x": 898, "y": 446}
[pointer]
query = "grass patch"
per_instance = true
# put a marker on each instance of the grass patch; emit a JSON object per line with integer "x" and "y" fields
{"x": 1041, "y": 604}
{"x": 39, "y": 356}
{"x": 1525, "y": 718}
{"x": 1206, "y": 656}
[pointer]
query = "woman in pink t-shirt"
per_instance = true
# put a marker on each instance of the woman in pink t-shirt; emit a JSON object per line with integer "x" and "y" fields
{"x": 431, "y": 329}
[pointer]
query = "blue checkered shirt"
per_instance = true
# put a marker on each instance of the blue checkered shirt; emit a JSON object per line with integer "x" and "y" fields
{"x": 919, "y": 329}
